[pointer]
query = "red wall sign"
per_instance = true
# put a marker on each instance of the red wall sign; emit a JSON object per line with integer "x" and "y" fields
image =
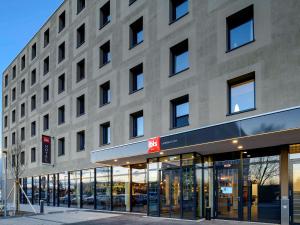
{"x": 154, "y": 145}
{"x": 46, "y": 149}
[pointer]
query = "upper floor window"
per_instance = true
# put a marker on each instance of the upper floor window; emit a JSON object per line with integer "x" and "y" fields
{"x": 33, "y": 51}
{"x": 22, "y": 158}
{"x": 180, "y": 112}
{"x": 33, "y": 154}
{"x": 46, "y": 94}
{"x": 136, "y": 34}
{"x": 33, "y": 129}
{"x": 33, "y": 102}
{"x": 23, "y": 86}
{"x": 80, "y": 140}
{"x": 46, "y": 122}
{"x": 80, "y": 5}
{"x": 61, "y": 52}
{"x": 105, "y": 14}
{"x": 61, "y": 21}
{"x": 46, "y": 37}
{"x": 242, "y": 94}
{"x": 132, "y": 1}
{"x": 22, "y": 133}
{"x": 80, "y": 105}
{"x": 5, "y": 121}
{"x": 23, "y": 62}
{"x": 80, "y": 35}
{"x": 178, "y": 9}
{"x": 23, "y": 109}
{"x": 105, "y": 134}
{"x": 46, "y": 65}
{"x": 80, "y": 67}
{"x": 5, "y": 101}
{"x": 61, "y": 146}
{"x": 61, "y": 83}
{"x": 179, "y": 57}
{"x": 14, "y": 72}
{"x": 105, "y": 94}
{"x": 5, "y": 142}
{"x": 136, "y": 78}
{"x": 6, "y": 80}
{"x": 33, "y": 77}
{"x": 61, "y": 115}
{"x": 137, "y": 124}
{"x": 240, "y": 30}
{"x": 13, "y": 116}
{"x": 105, "y": 56}
{"x": 13, "y": 138}
{"x": 13, "y": 94}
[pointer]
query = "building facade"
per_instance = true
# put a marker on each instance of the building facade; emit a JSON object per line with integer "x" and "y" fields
{"x": 172, "y": 108}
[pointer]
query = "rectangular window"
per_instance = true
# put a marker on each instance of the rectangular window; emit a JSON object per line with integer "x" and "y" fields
{"x": 23, "y": 62}
{"x": 137, "y": 124}
{"x": 80, "y": 35}
{"x": 13, "y": 138}
{"x": 61, "y": 146}
{"x": 242, "y": 94}
{"x": 105, "y": 56}
{"x": 14, "y": 72}
{"x": 61, "y": 21}
{"x": 23, "y": 109}
{"x": 46, "y": 94}
{"x": 5, "y": 142}
{"x": 61, "y": 84}
{"x": 80, "y": 67}
{"x": 33, "y": 51}
{"x": 105, "y": 14}
{"x": 23, "y": 86}
{"x": 61, "y": 52}
{"x": 6, "y": 100}
{"x": 46, "y": 122}
{"x": 33, "y": 129}
{"x": 22, "y": 133}
{"x": 136, "y": 78}
{"x": 105, "y": 134}
{"x": 13, "y": 116}
{"x": 80, "y": 5}
{"x": 33, "y": 77}
{"x": 22, "y": 158}
{"x": 61, "y": 115}
{"x": 80, "y": 140}
{"x": 105, "y": 94}
{"x": 13, "y": 94}
{"x": 5, "y": 121}
{"x": 132, "y": 1}
{"x": 33, "y": 102}
{"x": 178, "y": 9}
{"x": 46, "y": 65}
{"x": 180, "y": 112}
{"x": 46, "y": 37}
{"x": 240, "y": 28}
{"x": 13, "y": 160}
{"x": 6, "y": 80}
{"x": 33, "y": 155}
{"x": 179, "y": 57}
{"x": 136, "y": 34}
{"x": 80, "y": 106}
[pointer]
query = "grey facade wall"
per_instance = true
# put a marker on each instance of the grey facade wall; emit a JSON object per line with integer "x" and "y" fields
{"x": 273, "y": 56}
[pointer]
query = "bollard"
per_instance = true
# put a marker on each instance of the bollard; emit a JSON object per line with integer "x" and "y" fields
{"x": 42, "y": 206}
{"x": 208, "y": 213}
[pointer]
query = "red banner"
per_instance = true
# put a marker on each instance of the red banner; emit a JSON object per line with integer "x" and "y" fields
{"x": 154, "y": 145}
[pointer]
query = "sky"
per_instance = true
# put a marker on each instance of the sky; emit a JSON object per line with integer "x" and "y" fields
{"x": 20, "y": 20}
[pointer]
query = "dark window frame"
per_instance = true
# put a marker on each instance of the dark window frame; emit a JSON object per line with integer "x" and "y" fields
{"x": 23, "y": 86}
{"x": 33, "y": 102}
{"x": 33, "y": 154}
{"x": 33, "y": 75}
{"x": 22, "y": 134}
{"x": 105, "y": 14}
{"x": 46, "y": 65}
{"x": 105, "y": 54}
{"x": 23, "y": 62}
{"x": 33, "y": 128}
{"x": 176, "y": 50}
{"x": 80, "y": 105}
{"x": 46, "y": 122}
{"x": 105, "y": 94}
{"x": 61, "y": 142}
{"x": 173, "y": 4}
{"x": 23, "y": 110}
{"x": 131, "y": 2}
{"x": 61, "y": 83}
{"x": 134, "y": 72}
{"x": 22, "y": 158}
{"x": 14, "y": 72}
{"x": 33, "y": 51}
{"x": 80, "y": 6}
{"x": 46, "y": 94}
{"x": 80, "y": 136}
{"x": 61, "y": 52}
{"x": 62, "y": 21}
{"x": 61, "y": 115}
{"x": 80, "y": 70}
{"x": 134, "y": 28}
{"x": 46, "y": 37}
{"x": 80, "y": 35}
{"x": 6, "y": 80}
{"x": 105, "y": 134}
{"x": 134, "y": 124}
{"x": 174, "y": 119}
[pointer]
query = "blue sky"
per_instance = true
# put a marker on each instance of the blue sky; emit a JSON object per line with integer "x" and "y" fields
{"x": 19, "y": 21}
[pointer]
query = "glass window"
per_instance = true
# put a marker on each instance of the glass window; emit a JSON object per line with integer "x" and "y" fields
{"x": 105, "y": 55}
{"x": 33, "y": 51}
{"x": 136, "y": 78}
{"x": 33, "y": 155}
{"x": 105, "y": 134}
{"x": 179, "y": 57}
{"x": 180, "y": 112}
{"x": 29, "y": 189}
{"x": 46, "y": 122}
{"x": 46, "y": 37}
{"x": 46, "y": 94}
{"x": 105, "y": 94}
{"x": 139, "y": 188}
{"x": 121, "y": 189}
{"x": 105, "y": 14}
{"x": 63, "y": 189}
{"x": 242, "y": 95}
{"x": 33, "y": 102}
{"x": 61, "y": 146}
{"x": 136, "y": 33}
{"x": 33, "y": 77}
{"x": 61, "y": 115}
{"x": 137, "y": 123}
{"x": 179, "y": 8}
{"x": 103, "y": 188}
{"x": 80, "y": 140}
{"x": 153, "y": 190}
{"x": 88, "y": 188}
{"x": 80, "y": 105}
{"x": 36, "y": 190}
{"x": 46, "y": 65}
{"x": 51, "y": 190}
{"x": 240, "y": 28}
{"x": 61, "y": 83}
{"x": 62, "y": 21}
{"x": 33, "y": 129}
{"x": 80, "y": 70}
{"x": 80, "y": 35}
{"x": 80, "y": 5}
{"x": 61, "y": 52}
{"x": 44, "y": 187}
{"x": 75, "y": 189}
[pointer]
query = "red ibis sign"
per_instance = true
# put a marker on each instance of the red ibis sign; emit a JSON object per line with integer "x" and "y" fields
{"x": 154, "y": 145}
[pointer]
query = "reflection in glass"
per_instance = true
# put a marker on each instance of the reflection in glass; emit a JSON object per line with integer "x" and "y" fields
{"x": 88, "y": 188}
{"x": 51, "y": 190}
{"x": 188, "y": 192}
{"x": 103, "y": 188}
{"x": 62, "y": 194}
{"x": 75, "y": 189}
{"x": 29, "y": 189}
{"x": 44, "y": 187}
{"x": 121, "y": 189}
{"x": 139, "y": 188}
{"x": 153, "y": 188}
{"x": 36, "y": 192}
{"x": 241, "y": 34}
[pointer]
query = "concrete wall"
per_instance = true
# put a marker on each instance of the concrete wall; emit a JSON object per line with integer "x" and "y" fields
{"x": 273, "y": 56}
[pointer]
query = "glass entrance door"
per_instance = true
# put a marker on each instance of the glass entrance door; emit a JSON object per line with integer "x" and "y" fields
{"x": 227, "y": 193}
{"x": 170, "y": 193}
{"x": 296, "y": 192}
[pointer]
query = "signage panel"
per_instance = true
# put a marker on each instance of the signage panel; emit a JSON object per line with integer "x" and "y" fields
{"x": 46, "y": 149}
{"x": 154, "y": 145}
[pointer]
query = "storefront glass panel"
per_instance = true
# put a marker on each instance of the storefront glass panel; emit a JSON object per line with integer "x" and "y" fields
{"x": 75, "y": 189}
{"x": 103, "y": 188}
{"x": 44, "y": 187}
{"x": 29, "y": 189}
{"x": 188, "y": 193}
{"x": 51, "y": 190}
{"x": 153, "y": 190}
{"x": 121, "y": 189}
{"x": 36, "y": 190}
{"x": 63, "y": 189}
{"x": 139, "y": 188}
{"x": 88, "y": 188}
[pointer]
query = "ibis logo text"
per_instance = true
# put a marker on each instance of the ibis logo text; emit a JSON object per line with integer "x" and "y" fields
{"x": 154, "y": 145}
